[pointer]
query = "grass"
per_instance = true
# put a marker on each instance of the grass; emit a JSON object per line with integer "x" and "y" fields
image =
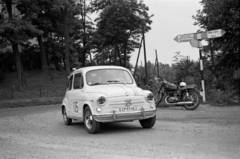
{"x": 42, "y": 89}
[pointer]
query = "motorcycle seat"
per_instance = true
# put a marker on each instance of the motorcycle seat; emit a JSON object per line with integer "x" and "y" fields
{"x": 191, "y": 86}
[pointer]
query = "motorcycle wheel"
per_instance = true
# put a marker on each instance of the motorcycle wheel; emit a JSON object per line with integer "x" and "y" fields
{"x": 158, "y": 99}
{"x": 192, "y": 96}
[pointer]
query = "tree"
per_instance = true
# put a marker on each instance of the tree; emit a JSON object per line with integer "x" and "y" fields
{"x": 186, "y": 70}
{"x": 224, "y": 15}
{"x": 68, "y": 11}
{"x": 120, "y": 25}
{"x": 39, "y": 12}
{"x": 16, "y": 30}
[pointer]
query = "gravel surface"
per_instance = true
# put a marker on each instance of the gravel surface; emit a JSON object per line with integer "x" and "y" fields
{"x": 205, "y": 133}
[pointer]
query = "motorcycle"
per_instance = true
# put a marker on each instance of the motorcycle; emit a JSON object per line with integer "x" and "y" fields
{"x": 187, "y": 96}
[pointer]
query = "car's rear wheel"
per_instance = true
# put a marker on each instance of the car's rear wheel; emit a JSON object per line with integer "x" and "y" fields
{"x": 148, "y": 123}
{"x": 90, "y": 124}
{"x": 66, "y": 119}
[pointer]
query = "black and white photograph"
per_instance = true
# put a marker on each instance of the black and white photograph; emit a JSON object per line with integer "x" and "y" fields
{"x": 119, "y": 79}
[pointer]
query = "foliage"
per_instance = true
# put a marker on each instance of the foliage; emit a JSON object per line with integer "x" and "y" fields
{"x": 15, "y": 103}
{"x": 7, "y": 61}
{"x": 223, "y": 98}
{"x": 1, "y": 75}
{"x": 30, "y": 57}
{"x": 223, "y": 15}
{"x": 119, "y": 27}
{"x": 186, "y": 70}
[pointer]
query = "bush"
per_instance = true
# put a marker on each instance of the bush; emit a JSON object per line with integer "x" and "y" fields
{"x": 1, "y": 75}
{"x": 223, "y": 98}
{"x": 30, "y": 102}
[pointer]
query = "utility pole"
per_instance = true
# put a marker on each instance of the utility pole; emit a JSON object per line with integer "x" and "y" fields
{"x": 157, "y": 63}
{"x": 135, "y": 69}
{"x": 145, "y": 57}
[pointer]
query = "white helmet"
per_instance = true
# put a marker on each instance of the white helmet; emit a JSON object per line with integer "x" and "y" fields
{"x": 183, "y": 84}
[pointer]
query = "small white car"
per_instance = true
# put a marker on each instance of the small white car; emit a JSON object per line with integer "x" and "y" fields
{"x": 99, "y": 94}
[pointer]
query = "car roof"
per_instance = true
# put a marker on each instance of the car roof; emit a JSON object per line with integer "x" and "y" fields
{"x": 89, "y": 68}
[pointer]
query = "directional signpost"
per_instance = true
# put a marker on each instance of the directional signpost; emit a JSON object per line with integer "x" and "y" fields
{"x": 195, "y": 41}
{"x": 184, "y": 37}
{"x": 199, "y": 36}
{"x": 209, "y": 34}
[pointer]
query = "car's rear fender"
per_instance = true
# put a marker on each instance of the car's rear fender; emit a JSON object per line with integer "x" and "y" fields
{"x": 64, "y": 105}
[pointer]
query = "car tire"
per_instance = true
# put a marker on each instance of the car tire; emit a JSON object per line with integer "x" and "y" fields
{"x": 148, "y": 123}
{"x": 66, "y": 119}
{"x": 90, "y": 124}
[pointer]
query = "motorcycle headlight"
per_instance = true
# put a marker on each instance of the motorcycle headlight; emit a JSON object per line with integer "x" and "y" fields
{"x": 150, "y": 97}
{"x": 101, "y": 100}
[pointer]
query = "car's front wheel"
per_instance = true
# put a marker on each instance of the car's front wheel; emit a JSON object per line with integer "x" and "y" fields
{"x": 148, "y": 123}
{"x": 66, "y": 119}
{"x": 90, "y": 124}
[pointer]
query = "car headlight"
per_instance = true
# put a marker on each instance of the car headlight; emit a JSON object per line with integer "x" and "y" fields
{"x": 101, "y": 100}
{"x": 150, "y": 97}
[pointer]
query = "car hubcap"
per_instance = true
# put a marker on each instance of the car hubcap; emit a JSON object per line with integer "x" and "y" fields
{"x": 64, "y": 116}
{"x": 88, "y": 120}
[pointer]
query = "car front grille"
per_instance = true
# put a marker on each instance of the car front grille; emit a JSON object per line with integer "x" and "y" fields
{"x": 123, "y": 101}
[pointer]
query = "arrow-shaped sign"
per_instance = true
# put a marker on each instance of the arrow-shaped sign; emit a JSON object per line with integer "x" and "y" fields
{"x": 215, "y": 33}
{"x": 210, "y": 34}
{"x": 199, "y": 36}
{"x": 184, "y": 37}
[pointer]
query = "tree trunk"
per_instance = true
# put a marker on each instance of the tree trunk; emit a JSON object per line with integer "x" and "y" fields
{"x": 125, "y": 55}
{"x": 42, "y": 53}
{"x": 118, "y": 53}
{"x": 21, "y": 77}
{"x": 125, "y": 50}
{"x": 18, "y": 62}
{"x": 66, "y": 40}
{"x": 84, "y": 33}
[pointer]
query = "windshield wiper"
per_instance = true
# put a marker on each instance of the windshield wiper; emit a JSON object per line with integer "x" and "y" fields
{"x": 116, "y": 81}
{"x": 98, "y": 83}
{"x": 113, "y": 81}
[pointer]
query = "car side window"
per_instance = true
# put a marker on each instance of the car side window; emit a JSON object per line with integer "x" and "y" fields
{"x": 78, "y": 81}
{"x": 70, "y": 83}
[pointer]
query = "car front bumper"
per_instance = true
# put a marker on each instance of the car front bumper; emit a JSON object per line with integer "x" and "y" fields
{"x": 128, "y": 116}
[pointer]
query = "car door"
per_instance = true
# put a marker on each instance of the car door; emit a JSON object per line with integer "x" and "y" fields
{"x": 76, "y": 96}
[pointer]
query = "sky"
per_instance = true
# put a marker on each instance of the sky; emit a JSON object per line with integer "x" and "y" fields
{"x": 171, "y": 18}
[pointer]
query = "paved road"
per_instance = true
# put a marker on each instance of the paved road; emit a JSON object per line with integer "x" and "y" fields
{"x": 205, "y": 133}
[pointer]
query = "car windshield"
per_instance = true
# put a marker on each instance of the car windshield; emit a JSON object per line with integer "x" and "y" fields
{"x": 108, "y": 76}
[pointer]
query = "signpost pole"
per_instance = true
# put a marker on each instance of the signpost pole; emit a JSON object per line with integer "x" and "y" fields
{"x": 201, "y": 71}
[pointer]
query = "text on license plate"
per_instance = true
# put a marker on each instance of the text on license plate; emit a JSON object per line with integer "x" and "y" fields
{"x": 125, "y": 109}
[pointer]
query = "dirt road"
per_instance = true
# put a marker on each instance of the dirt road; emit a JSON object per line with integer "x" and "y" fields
{"x": 205, "y": 133}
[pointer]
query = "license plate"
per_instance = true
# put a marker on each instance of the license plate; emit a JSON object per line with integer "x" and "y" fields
{"x": 127, "y": 109}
